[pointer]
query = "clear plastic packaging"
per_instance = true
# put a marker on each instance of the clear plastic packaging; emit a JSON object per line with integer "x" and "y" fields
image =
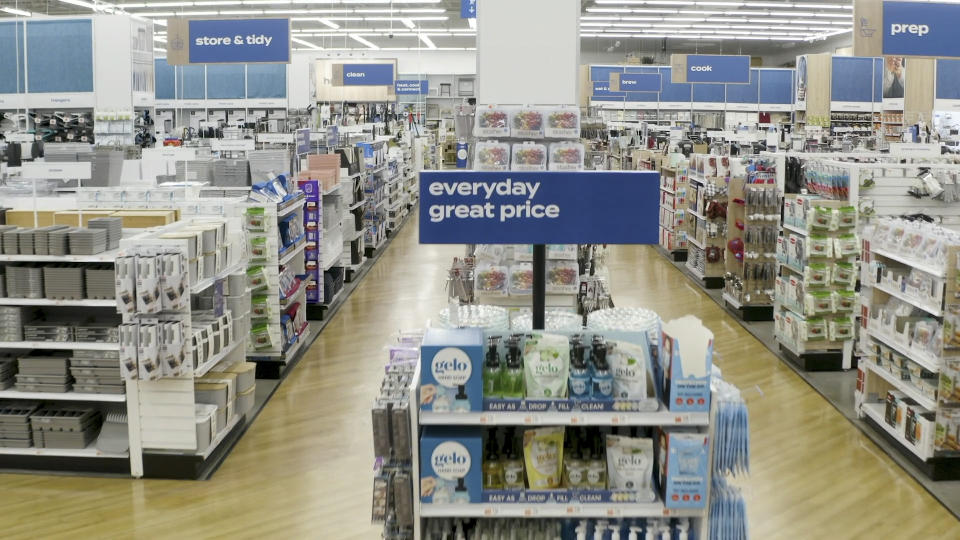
{"x": 491, "y": 122}
{"x": 563, "y": 123}
{"x": 563, "y": 277}
{"x": 491, "y": 279}
{"x": 492, "y": 156}
{"x": 521, "y": 279}
{"x": 527, "y": 123}
{"x": 529, "y": 156}
{"x": 566, "y": 156}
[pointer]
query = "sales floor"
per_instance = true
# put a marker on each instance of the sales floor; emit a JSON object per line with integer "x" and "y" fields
{"x": 303, "y": 469}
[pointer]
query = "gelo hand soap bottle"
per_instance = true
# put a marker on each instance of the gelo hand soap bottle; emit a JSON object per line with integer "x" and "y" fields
{"x": 461, "y": 403}
{"x": 602, "y": 378}
{"x": 512, "y": 383}
{"x": 492, "y": 467}
{"x": 492, "y": 369}
{"x": 512, "y": 464}
{"x": 579, "y": 373}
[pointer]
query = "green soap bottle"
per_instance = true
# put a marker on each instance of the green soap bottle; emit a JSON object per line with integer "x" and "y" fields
{"x": 492, "y": 466}
{"x": 492, "y": 370}
{"x": 513, "y": 477}
{"x": 511, "y": 383}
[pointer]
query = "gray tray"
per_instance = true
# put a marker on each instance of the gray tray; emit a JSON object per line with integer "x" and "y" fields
{"x": 77, "y": 441}
{"x": 63, "y": 419}
{"x": 94, "y": 362}
{"x": 8, "y": 443}
{"x": 100, "y": 389}
{"x": 43, "y": 379}
{"x": 52, "y": 388}
{"x": 105, "y": 372}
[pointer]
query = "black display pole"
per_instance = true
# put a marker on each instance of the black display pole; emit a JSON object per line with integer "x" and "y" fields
{"x": 539, "y": 285}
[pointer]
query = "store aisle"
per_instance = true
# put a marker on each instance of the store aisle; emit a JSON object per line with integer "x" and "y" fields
{"x": 303, "y": 470}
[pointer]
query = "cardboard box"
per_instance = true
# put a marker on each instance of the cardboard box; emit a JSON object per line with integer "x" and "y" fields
{"x": 452, "y": 369}
{"x": 451, "y": 461}
{"x": 77, "y": 218}
{"x": 143, "y": 219}
{"x": 24, "y": 218}
{"x": 686, "y": 359}
{"x": 683, "y": 461}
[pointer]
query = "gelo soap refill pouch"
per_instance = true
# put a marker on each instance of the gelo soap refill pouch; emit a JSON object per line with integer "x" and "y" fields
{"x": 546, "y": 359}
{"x": 686, "y": 356}
{"x": 543, "y": 456}
{"x": 630, "y": 465}
{"x": 632, "y": 368}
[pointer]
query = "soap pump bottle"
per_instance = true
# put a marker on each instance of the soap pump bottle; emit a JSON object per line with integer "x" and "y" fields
{"x": 683, "y": 529}
{"x": 652, "y": 526}
{"x": 597, "y": 468}
{"x": 460, "y": 495}
{"x": 492, "y": 467}
{"x": 634, "y": 533}
{"x": 579, "y": 372}
{"x": 461, "y": 403}
{"x": 602, "y": 378}
{"x": 665, "y": 531}
{"x": 512, "y": 384}
{"x": 492, "y": 369}
{"x": 512, "y": 464}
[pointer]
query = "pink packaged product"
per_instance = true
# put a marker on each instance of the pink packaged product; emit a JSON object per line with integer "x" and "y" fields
{"x": 529, "y": 156}
{"x": 566, "y": 156}
{"x": 492, "y": 156}
{"x": 527, "y": 123}
{"x": 563, "y": 123}
{"x": 491, "y": 122}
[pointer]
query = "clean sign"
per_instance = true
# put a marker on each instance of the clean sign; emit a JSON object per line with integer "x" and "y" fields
{"x": 640, "y": 82}
{"x": 588, "y": 207}
{"x": 233, "y": 41}
{"x": 415, "y": 88}
{"x": 712, "y": 68}
{"x": 920, "y": 29}
{"x": 368, "y": 74}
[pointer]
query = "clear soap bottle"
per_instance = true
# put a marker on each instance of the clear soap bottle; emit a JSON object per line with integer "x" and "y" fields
{"x": 512, "y": 463}
{"x": 492, "y": 369}
{"x": 512, "y": 383}
{"x": 492, "y": 466}
{"x": 579, "y": 372}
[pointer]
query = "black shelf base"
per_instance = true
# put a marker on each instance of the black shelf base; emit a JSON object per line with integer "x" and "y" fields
{"x": 937, "y": 468}
{"x": 815, "y": 361}
{"x": 675, "y": 255}
{"x": 750, "y": 313}
{"x": 57, "y": 464}
{"x": 191, "y": 467}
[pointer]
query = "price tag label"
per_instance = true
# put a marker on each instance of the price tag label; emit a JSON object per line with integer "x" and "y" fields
{"x": 489, "y": 511}
{"x": 682, "y": 419}
{"x": 529, "y": 511}
{"x": 530, "y": 419}
{"x": 573, "y": 510}
{"x": 485, "y": 419}
{"x": 577, "y": 419}
{"x": 618, "y": 419}
{"x": 614, "y": 512}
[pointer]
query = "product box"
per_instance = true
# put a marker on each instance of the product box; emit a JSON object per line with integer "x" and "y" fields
{"x": 686, "y": 358}
{"x": 683, "y": 463}
{"x": 451, "y": 370}
{"x": 451, "y": 461}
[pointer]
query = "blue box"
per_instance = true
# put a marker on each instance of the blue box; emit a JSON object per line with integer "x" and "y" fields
{"x": 313, "y": 233}
{"x": 686, "y": 359}
{"x": 451, "y": 464}
{"x": 451, "y": 370}
{"x": 683, "y": 462}
{"x": 310, "y": 188}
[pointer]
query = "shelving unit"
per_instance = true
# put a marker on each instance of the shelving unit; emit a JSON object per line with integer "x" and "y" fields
{"x": 673, "y": 209}
{"x": 704, "y": 236}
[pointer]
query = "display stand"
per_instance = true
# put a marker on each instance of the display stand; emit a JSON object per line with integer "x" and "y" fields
{"x": 673, "y": 211}
{"x": 705, "y": 258}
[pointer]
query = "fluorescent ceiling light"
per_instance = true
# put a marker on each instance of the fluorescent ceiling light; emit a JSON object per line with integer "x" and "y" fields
{"x": 472, "y": 23}
{"x": 15, "y": 11}
{"x": 306, "y": 43}
{"x": 362, "y": 41}
{"x": 165, "y": 4}
{"x": 80, "y": 3}
{"x": 328, "y": 22}
{"x": 408, "y": 23}
{"x": 427, "y": 41}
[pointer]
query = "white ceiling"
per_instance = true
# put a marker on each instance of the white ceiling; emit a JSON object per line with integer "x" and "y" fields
{"x": 436, "y": 24}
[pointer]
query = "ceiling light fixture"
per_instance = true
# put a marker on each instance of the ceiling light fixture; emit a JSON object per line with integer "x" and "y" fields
{"x": 362, "y": 41}
{"x": 306, "y": 43}
{"x": 427, "y": 41}
{"x": 15, "y": 11}
{"x": 408, "y": 23}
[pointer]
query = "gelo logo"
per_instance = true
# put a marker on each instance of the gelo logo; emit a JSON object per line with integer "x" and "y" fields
{"x": 355, "y": 75}
{"x": 450, "y": 460}
{"x": 915, "y": 29}
{"x": 701, "y": 68}
{"x": 451, "y": 367}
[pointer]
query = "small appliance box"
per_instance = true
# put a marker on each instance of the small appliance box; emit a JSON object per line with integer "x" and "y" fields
{"x": 451, "y": 461}
{"x": 683, "y": 463}
{"x": 451, "y": 370}
{"x": 686, "y": 358}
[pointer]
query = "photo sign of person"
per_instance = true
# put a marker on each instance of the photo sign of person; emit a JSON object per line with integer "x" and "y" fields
{"x": 548, "y": 207}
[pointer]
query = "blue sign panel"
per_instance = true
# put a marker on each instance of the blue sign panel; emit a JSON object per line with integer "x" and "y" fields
{"x": 745, "y": 93}
{"x": 303, "y": 140}
{"x": 468, "y": 9}
{"x": 233, "y": 41}
{"x": 776, "y": 86}
{"x": 640, "y": 82}
{"x": 709, "y": 93}
{"x": 415, "y": 88}
{"x": 602, "y": 89}
{"x": 368, "y": 74}
{"x": 589, "y": 207}
{"x": 920, "y": 29}
{"x": 852, "y": 79}
{"x": 715, "y": 68}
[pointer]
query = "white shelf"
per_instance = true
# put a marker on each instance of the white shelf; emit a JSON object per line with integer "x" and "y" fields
{"x": 692, "y": 212}
{"x": 352, "y": 237}
{"x": 205, "y": 283}
{"x": 667, "y": 190}
{"x": 356, "y": 205}
{"x": 932, "y": 270}
{"x": 573, "y": 418}
{"x": 204, "y": 368}
{"x": 876, "y": 411}
{"x": 63, "y": 396}
{"x": 935, "y": 311}
{"x": 928, "y": 363}
{"x": 88, "y": 302}
{"x": 332, "y": 190}
{"x": 795, "y": 229}
{"x": 904, "y": 386}
{"x": 88, "y": 452}
{"x": 292, "y": 252}
{"x": 693, "y": 271}
{"x": 220, "y": 437}
{"x": 106, "y": 256}
{"x": 292, "y": 206}
{"x": 692, "y": 240}
{"x": 59, "y": 345}
{"x": 569, "y": 510}
{"x": 328, "y": 264}
{"x": 301, "y": 289}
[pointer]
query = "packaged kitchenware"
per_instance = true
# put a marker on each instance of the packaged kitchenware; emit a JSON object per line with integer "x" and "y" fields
{"x": 566, "y": 156}
{"x": 492, "y": 156}
{"x": 529, "y": 156}
{"x": 563, "y": 123}
{"x": 527, "y": 123}
{"x": 491, "y": 121}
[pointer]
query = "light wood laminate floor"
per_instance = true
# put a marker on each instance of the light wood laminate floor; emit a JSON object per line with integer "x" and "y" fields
{"x": 303, "y": 469}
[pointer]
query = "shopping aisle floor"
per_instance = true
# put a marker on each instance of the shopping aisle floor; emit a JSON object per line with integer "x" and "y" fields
{"x": 303, "y": 469}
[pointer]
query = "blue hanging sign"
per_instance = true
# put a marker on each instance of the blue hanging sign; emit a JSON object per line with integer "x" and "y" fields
{"x": 367, "y": 74}
{"x": 715, "y": 68}
{"x": 303, "y": 141}
{"x": 920, "y": 29}
{"x": 414, "y": 88}
{"x": 233, "y": 41}
{"x": 468, "y": 9}
{"x": 640, "y": 82}
{"x": 586, "y": 207}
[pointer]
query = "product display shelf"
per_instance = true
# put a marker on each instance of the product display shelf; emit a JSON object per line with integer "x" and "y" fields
{"x": 662, "y": 417}
{"x": 705, "y": 235}
{"x": 673, "y": 208}
{"x": 88, "y": 452}
{"x": 42, "y": 302}
{"x": 62, "y": 396}
{"x": 59, "y": 345}
{"x": 553, "y": 510}
{"x": 910, "y": 365}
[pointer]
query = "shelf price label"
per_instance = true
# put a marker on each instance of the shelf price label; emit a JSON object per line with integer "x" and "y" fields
{"x": 485, "y": 419}
{"x": 614, "y": 512}
{"x": 529, "y": 511}
{"x": 573, "y": 510}
{"x": 577, "y": 419}
{"x": 489, "y": 511}
{"x": 618, "y": 419}
{"x": 531, "y": 419}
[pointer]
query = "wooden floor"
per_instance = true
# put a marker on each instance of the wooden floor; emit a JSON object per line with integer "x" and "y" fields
{"x": 303, "y": 470}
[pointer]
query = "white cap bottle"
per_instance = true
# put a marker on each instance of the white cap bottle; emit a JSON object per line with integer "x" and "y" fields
{"x": 614, "y": 532}
{"x": 665, "y": 533}
{"x": 633, "y": 532}
{"x": 683, "y": 528}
